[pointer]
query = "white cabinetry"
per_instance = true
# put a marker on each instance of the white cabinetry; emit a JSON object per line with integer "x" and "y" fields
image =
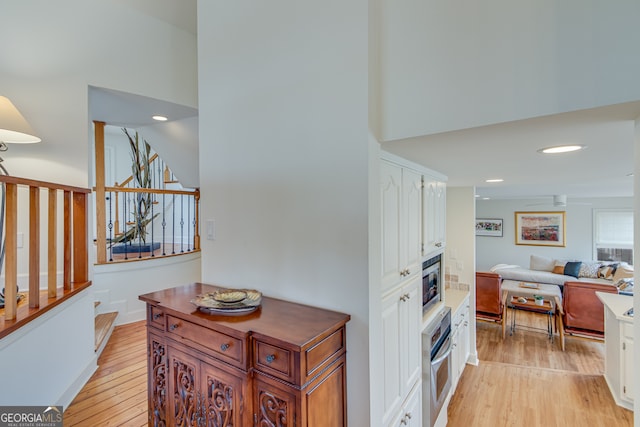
{"x": 411, "y": 413}
{"x": 618, "y": 337}
{"x": 627, "y": 362}
{"x": 458, "y": 301}
{"x": 401, "y": 346}
{"x": 401, "y": 217}
{"x": 434, "y": 213}
{"x": 396, "y": 349}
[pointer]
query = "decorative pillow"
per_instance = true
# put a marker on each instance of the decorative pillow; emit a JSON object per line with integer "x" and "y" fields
{"x": 559, "y": 267}
{"x": 622, "y": 272}
{"x": 589, "y": 269}
{"x": 606, "y": 271}
{"x": 572, "y": 268}
{"x": 541, "y": 263}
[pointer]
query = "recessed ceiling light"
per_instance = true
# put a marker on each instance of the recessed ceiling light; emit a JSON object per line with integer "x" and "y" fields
{"x": 630, "y": 174}
{"x": 477, "y": 195}
{"x": 486, "y": 198}
{"x": 495, "y": 180}
{"x": 160, "y": 118}
{"x": 561, "y": 149}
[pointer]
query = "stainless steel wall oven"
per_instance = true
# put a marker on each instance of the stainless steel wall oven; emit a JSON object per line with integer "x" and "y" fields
{"x": 436, "y": 366}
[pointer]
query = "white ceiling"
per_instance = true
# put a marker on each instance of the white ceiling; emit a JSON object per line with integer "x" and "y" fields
{"x": 468, "y": 157}
{"x": 509, "y": 151}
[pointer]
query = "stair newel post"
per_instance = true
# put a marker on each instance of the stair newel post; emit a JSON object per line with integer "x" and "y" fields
{"x": 196, "y": 231}
{"x": 101, "y": 248}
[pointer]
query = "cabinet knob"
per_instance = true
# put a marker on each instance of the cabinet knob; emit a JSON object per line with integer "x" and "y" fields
{"x": 270, "y": 358}
{"x": 156, "y": 316}
{"x": 408, "y": 415}
{"x": 173, "y": 327}
{"x": 224, "y": 347}
{"x": 439, "y": 244}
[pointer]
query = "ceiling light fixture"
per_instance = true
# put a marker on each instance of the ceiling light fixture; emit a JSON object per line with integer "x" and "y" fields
{"x": 561, "y": 149}
{"x": 159, "y": 118}
{"x": 495, "y": 180}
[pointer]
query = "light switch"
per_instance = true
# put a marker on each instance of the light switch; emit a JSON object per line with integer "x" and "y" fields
{"x": 20, "y": 241}
{"x": 211, "y": 229}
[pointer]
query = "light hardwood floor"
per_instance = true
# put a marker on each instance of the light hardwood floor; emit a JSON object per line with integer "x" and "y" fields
{"x": 521, "y": 381}
{"x": 116, "y": 394}
{"x": 526, "y": 380}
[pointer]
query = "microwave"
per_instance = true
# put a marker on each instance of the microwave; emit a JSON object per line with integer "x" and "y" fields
{"x": 431, "y": 282}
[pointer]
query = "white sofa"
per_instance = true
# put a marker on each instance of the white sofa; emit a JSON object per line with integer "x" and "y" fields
{"x": 554, "y": 272}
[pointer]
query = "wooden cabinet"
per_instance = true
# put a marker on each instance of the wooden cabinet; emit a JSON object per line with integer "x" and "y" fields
{"x": 434, "y": 214}
{"x": 459, "y": 341}
{"x": 401, "y": 218}
{"x": 213, "y": 370}
{"x": 401, "y": 346}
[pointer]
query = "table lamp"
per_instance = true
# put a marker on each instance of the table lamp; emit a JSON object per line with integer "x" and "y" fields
{"x": 14, "y": 129}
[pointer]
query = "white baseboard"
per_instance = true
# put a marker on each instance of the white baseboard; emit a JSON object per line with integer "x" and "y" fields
{"x": 75, "y": 387}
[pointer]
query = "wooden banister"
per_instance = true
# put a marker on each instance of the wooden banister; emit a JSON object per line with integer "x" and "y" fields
{"x": 75, "y": 266}
{"x": 123, "y": 213}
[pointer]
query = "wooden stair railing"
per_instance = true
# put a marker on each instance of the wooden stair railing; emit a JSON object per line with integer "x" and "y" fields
{"x": 110, "y": 219}
{"x": 75, "y": 275}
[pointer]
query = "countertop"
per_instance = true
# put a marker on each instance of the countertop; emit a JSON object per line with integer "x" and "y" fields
{"x": 453, "y": 298}
{"x": 618, "y": 304}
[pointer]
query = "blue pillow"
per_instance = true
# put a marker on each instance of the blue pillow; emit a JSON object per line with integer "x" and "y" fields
{"x": 572, "y": 268}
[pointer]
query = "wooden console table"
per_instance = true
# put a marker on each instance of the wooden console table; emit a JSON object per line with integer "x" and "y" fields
{"x": 282, "y": 365}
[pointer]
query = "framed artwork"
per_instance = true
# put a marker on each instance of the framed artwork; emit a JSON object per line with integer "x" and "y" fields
{"x": 540, "y": 228}
{"x": 489, "y": 227}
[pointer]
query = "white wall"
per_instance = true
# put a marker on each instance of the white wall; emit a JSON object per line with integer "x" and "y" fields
{"x": 50, "y": 53}
{"x": 284, "y": 158}
{"x": 460, "y": 253}
{"x": 451, "y": 65}
{"x": 48, "y": 59}
{"x": 579, "y": 230}
{"x": 48, "y": 361}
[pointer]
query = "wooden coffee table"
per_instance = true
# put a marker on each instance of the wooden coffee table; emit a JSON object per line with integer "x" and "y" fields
{"x": 546, "y": 308}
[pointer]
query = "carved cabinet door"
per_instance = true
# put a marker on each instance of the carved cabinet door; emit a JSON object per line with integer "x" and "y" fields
{"x": 223, "y": 400}
{"x": 182, "y": 390}
{"x": 273, "y": 407}
{"x": 157, "y": 381}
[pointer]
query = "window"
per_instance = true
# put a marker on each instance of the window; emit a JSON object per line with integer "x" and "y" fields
{"x": 613, "y": 235}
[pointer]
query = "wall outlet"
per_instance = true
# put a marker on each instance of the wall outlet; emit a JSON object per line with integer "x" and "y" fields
{"x": 459, "y": 265}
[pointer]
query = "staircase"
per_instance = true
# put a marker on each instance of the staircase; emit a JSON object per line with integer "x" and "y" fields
{"x": 104, "y": 324}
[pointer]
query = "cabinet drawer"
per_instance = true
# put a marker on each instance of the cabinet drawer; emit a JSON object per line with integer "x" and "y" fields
{"x": 322, "y": 353}
{"x": 224, "y": 347}
{"x": 156, "y": 317}
{"x": 274, "y": 360}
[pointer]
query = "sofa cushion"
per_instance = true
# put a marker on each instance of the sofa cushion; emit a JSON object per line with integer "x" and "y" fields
{"x": 589, "y": 269}
{"x": 541, "y": 263}
{"x": 572, "y": 268}
{"x": 559, "y": 267}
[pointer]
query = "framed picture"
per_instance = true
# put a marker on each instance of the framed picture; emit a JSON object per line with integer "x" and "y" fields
{"x": 489, "y": 227}
{"x": 540, "y": 228}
